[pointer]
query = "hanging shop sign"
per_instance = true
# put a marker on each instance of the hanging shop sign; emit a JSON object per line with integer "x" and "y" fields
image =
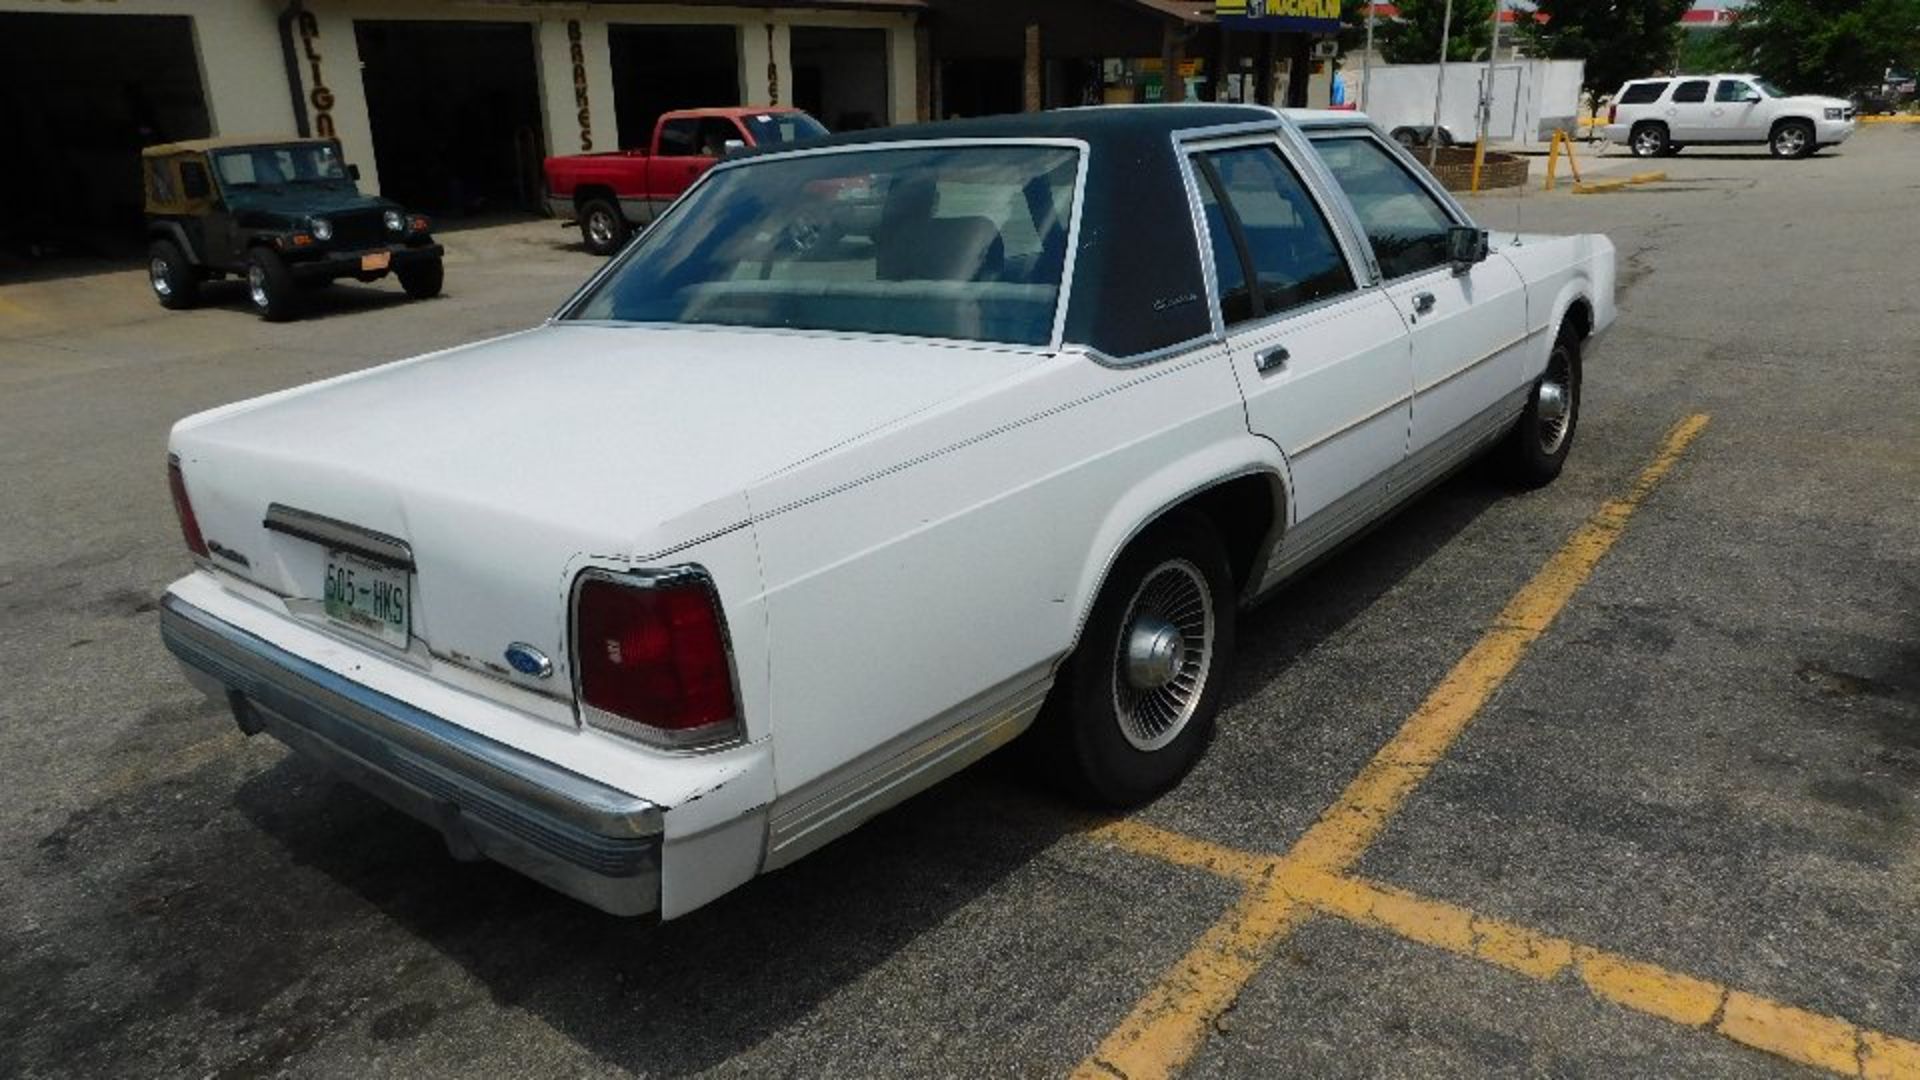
{"x": 1287, "y": 16}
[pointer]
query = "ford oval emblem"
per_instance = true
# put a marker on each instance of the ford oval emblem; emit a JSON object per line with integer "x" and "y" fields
{"x": 528, "y": 660}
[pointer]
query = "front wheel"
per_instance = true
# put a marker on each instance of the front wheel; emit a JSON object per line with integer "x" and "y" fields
{"x": 422, "y": 280}
{"x": 602, "y": 227}
{"x": 1793, "y": 139}
{"x": 175, "y": 283}
{"x": 271, "y": 286}
{"x": 1537, "y": 448}
{"x": 1134, "y": 706}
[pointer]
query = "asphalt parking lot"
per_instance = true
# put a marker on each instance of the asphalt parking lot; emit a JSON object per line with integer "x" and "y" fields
{"x": 1613, "y": 778}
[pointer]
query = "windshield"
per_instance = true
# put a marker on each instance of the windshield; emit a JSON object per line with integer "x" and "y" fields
{"x": 278, "y": 166}
{"x": 966, "y": 242}
{"x": 1769, "y": 89}
{"x": 779, "y": 129}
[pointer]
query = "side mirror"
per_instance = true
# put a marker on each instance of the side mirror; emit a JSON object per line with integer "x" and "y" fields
{"x": 1750, "y": 98}
{"x": 1466, "y": 245}
{"x": 732, "y": 147}
{"x": 353, "y": 173}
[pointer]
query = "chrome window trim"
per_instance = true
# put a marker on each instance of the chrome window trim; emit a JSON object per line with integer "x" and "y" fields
{"x": 695, "y": 741}
{"x": 1151, "y": 356}
{"x": 1335, "y": 218}
{"x": 342, "y": 535}
{"x": 1054, "y": 342}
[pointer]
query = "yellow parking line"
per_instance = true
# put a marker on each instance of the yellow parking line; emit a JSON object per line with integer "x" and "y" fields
{"x": 1282, "y": 891}
{"x": 1165, "y": 1027}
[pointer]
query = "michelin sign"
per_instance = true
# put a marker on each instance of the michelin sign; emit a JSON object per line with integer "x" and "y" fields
{"x": 1293, "y": 16}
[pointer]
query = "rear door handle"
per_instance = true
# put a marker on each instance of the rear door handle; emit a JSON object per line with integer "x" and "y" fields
{"x": 1271, "y": 360}
{"x": 1423, "y": 303}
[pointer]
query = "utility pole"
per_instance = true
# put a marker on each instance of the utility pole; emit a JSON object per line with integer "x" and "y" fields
{"x": 1366, "y": 62}
{"x": 1440, "y": 87}
{"x": 1486, "y": 98}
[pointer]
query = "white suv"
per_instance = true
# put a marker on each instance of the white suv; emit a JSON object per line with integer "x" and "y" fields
{"x": 1655, "y": 117}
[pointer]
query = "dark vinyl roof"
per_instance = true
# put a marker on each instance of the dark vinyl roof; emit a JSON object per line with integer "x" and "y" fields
{"x": 1137, "y": 281}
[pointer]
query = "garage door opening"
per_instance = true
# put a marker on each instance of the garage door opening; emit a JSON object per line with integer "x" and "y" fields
{"x": 660, "y": 68}
{"x": 79, "y": 96}
{"x": 985, "y": 87}
{"x": 455, "y": 113}
{"x": 840, "y": 76}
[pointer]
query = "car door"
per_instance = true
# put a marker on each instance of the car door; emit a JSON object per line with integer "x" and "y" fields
{"x": 1689, "y": 114}
{"x": 1323, "y": 364}
{"x": 1466, "y": 328}
{"x": 1737, "y": 114}
{"x": 678, "y": 160}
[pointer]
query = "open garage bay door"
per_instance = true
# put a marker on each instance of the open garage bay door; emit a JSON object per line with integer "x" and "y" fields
{"x": 455, "y": 113}
{"x": 840, "y": 76}
{"x": 80, "y": 94}
{"x": 660, "y": 68}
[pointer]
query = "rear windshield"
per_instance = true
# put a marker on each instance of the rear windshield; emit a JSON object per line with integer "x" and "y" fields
{"x": 964, "y": 242}
{"x": 780, "y": 129}
{"x": 1642, "y": 93}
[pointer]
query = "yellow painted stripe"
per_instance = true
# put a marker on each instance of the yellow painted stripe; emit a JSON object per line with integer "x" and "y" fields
{"x": 1357, "y": 818}
{"x": 1166, "y": 1026}
{"x": 1182, "y": 850}
{"x": 1796, "y": 1034}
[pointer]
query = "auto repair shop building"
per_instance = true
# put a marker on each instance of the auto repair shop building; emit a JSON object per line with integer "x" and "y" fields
{"x": 449, "y": 105}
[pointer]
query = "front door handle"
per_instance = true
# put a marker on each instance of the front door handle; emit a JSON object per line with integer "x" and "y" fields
{"x": 1271, "y": 360}
{"x": 1423, "y": 303}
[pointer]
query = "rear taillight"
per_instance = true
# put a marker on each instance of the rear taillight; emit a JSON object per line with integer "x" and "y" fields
{"x": 1613, "y": 114}
{"x": 182, "y": 506}
{"x": 650, "y": 654}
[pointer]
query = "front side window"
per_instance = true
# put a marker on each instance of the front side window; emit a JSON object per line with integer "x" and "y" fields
{"x": 1690, "y": 92}
{"x": 1732, "y": 90}
{"x": 1260, "y": 212}
{"x": 1645, "y": 93}
{"x": 962, "y": 242}
{"x": 1405, "y": 224}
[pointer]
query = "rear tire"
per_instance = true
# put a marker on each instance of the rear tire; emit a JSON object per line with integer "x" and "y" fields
{"x": 1792, "y": 139}
{"x": 175, "y": 283}
{"x": 1648, "y": 139}
{"x": 271, "y": 286}
{"x": 1537, "y": 447}
{"x": 1134, "y": 706}
{"x": 602, "y": 227}
{"x": 422, "y": 280}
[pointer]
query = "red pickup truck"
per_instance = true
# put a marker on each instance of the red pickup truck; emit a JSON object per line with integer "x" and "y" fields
{"x": 611, "y": 193}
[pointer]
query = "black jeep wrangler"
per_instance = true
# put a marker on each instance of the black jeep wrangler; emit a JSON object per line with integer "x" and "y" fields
{"x": 281, "y": 213}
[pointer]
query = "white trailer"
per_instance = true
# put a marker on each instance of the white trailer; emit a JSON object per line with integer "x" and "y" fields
{"x": 1531, "y": 98}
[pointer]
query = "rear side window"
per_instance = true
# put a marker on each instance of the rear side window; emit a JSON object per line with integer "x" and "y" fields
{"x": 1690, "y": 91}
{"x": 1643, "y": 93}
{"x": 1258, "y": 209}
{"x": 1406, "y": 225}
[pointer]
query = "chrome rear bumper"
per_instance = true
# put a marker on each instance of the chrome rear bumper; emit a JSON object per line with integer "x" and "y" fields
{"x": 590, "y": 841}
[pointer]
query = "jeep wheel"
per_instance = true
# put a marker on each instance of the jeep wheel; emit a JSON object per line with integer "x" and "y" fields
{"x": 602, "y": 227}
{"x": 271, "y": 287}
{"x": 175, "y": 283}
{"x": 1133, "y": 708}
{"x": 422, "y": 279}
{"x": 1648, "y": 140}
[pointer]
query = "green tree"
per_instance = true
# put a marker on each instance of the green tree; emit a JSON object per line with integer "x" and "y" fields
{"x": 1826, "y": 46}
{"x": 1619, "y": 39}
{"x": 1414, "y": 37}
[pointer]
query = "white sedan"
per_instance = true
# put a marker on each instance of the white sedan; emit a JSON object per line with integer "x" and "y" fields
{"x": 863, "y": 460}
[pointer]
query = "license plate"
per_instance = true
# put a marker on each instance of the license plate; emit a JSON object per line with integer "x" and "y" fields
{"x": 376, "y": 261}
{"x": 367, "y": 597}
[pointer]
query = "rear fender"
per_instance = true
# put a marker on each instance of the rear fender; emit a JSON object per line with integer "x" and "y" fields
{"x": 1150, "y": 500}
{"x": 171, "y": 230}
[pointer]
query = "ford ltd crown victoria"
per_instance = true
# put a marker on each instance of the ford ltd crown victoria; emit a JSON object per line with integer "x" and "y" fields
{"x": 782, "y": 518}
